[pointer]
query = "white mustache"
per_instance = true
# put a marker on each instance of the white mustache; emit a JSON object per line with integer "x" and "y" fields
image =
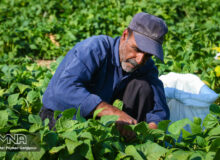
{"x": 133, "y": 62}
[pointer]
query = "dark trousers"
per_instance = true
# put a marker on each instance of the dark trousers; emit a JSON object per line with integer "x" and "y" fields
{"x": 137, "y": 100}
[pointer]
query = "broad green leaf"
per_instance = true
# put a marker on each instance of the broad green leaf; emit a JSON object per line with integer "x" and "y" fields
{"x": 30, "y": 67}
{"x": 71, "y": 135}
{"x": 97, "y": 112}
{"x": 79, "y": 117}
{"x": 156, "y": 133}
{"x": 201, "y": 141}
{"x": 22, "y": 87}
{"x": 57, "y": 149}
{"x": 69, "y": 113}
{"x": 3, "y": 118}
{"x": 179, "y": 155}
{"x": 141, "y": 128}
{"x": 210, "y": 121}
{"x": 163, "y": 125}
{"x": 2, "y": 154}
{"x": 185, "y": 133}
{"x": 32, "y": 96}
{"x": 34, "y": 119}
{"x": 210, "y": 156}
{"x": 35, "y": 127}
{"x": 214, "y": 131}
{"x": 197, "y": 120}
{"x": 13, "y": 99}
{"x": 35, "y": 155}
{"x": 87, "y": 150}
{"x": 56, "y": 114}
{"x": 12, "y": 88}
{"x": 120, "y": 146}
{"x": 196, "y": 156}
{"x": 196, "y": 129}
{"x": 105, "y": 148}
{"x": 63, "y": 124}
{"x": 86, "y": 135}
{"x": 71, "y": 145}
{"x": 215, "y": 145}
{"x": 50, "y": 138}
{"x": 14, "y": 118}
{"x": 33, "y": 46}
{"x": 176, "y": 127}
{"x": 131, "y": 150}
{"x": 151, "y": 150}
{"x": 122, "y": 155}
{"x": 108, "y": 119}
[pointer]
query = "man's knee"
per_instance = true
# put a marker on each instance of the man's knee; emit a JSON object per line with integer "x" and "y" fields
{"x": 142, "y": 86}
{"x": 138, "y": 99}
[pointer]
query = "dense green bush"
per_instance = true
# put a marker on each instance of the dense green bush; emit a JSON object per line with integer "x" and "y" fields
{"x": 99, "y": 139}
{"x": 46, "y": 29}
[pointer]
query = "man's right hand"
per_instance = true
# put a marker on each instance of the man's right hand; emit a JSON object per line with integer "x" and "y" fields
{"x": 123, "y": 119}
{"x": 111, "y": 110}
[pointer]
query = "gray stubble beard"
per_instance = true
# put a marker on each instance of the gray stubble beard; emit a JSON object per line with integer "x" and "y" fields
{"x": 127, "y": 68}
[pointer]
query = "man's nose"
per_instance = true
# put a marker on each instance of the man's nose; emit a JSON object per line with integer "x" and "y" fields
{"x": 140, "y": 59}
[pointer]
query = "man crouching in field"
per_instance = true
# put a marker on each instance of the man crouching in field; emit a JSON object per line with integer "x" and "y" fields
{"x": 101, "y": 69}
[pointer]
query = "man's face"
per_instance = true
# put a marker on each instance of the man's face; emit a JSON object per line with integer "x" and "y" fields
{"x": 131, "y": 57}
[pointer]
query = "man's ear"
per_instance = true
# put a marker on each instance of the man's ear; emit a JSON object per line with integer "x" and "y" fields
{"x": 125, "y": 34}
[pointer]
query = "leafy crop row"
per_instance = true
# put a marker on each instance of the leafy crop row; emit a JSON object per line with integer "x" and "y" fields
{"x": 99, "y": 139}
{"x": 46, "y": 29}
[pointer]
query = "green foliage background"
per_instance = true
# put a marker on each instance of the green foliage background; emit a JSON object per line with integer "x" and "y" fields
{"x": 193, "y": 29}
{"x": 26, "y": 28}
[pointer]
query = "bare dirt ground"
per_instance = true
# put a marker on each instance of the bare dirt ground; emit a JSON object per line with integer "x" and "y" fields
{"x": 45, "y": 62}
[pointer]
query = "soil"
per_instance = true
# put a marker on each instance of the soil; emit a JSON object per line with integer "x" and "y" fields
{"x": 44, "y": 62}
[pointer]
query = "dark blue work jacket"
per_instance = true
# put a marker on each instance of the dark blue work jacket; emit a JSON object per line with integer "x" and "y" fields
{"x": 91, "y": 73}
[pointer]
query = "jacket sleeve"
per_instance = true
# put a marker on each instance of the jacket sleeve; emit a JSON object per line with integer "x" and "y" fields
{"x": 160, "y": 110}
{"x": 74, "y": 73}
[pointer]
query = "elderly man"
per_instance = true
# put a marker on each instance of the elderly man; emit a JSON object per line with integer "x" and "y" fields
{"x": 101, "y": 69}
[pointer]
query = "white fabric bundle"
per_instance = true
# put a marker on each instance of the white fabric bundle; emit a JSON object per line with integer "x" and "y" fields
{"x": 187, "y": 96}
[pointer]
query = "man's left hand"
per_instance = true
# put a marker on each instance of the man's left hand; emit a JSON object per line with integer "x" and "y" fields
{"x": 152, "y": 125}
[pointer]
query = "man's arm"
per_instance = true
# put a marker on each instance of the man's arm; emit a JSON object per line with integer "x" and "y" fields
{"x": 68, "y": 86}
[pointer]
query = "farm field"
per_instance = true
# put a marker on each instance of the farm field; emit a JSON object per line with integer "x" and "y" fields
{"x": 34, "y": 31}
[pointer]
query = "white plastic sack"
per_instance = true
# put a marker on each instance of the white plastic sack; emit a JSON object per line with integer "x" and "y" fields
{"x": 187, "y": 96}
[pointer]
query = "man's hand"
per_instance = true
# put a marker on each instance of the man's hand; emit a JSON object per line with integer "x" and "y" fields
{"x": 123, "y": 119}
{"x": 152, "y": 125}
{"x": 111, "y": 110}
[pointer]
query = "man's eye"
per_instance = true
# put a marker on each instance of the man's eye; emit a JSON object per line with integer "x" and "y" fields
{"x": 136, "y": 49}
